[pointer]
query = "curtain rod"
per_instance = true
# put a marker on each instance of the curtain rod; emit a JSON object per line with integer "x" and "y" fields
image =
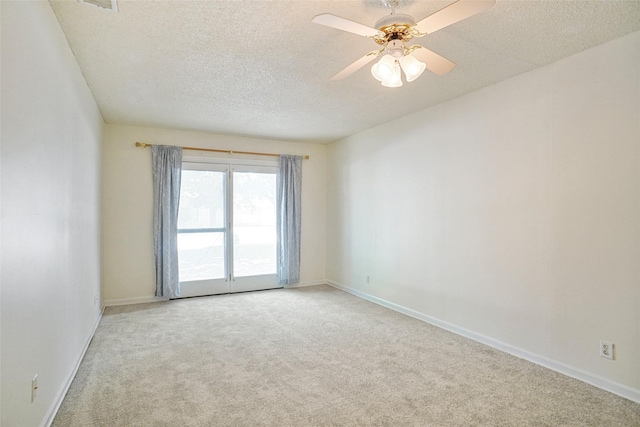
{"x": 143, "y": 145}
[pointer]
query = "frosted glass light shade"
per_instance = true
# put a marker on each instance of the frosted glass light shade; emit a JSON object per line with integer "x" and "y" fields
{"x": 412, "y": 67}
{"x": 396, "y": 78}
{"x": 384, "y": 69}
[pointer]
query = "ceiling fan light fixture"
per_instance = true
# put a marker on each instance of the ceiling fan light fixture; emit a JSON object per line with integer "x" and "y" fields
{"x": 393, "y": 31}
{"x": 396, "y": 78}
{"x": 412, "y": 67}
{"x": 384, "y": 69}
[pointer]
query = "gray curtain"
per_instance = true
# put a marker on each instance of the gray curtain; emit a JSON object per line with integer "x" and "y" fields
{"x": 167, "y": 169}
{"x": 289, "y": 218}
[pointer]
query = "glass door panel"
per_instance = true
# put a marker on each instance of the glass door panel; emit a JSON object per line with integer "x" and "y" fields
{"x": 201, "y": 256}
{"x": 202, "y": 199}
{"x": 254, "y": 224}
{"x": 202, "y": 231}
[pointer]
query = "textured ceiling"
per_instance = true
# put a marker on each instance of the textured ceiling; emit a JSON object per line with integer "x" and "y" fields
{"x": 261, "y": 67}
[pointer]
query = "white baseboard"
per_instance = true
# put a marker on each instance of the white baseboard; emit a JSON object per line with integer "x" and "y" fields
{"x": 589, "y": 378}
{"x": 129, "y": 301}
{"x": 309, "y": 283}
{"x": 51, "y": 414}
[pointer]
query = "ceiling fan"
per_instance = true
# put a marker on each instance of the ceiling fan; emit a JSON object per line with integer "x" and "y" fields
{"x": 393, "y": 31}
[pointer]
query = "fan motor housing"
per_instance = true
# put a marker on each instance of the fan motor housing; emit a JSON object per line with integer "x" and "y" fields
{"x": 395, "y": 27}
{"x": 394, "y": 19}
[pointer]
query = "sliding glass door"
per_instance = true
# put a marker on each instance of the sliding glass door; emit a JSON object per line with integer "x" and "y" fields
{"x": 227, "y": 229}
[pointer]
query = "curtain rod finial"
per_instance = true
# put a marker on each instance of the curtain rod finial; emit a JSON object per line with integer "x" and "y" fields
{"x": 141, "y": 144}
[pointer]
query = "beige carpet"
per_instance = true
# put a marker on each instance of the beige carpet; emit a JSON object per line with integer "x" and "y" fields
{"x": 308, "y": 357}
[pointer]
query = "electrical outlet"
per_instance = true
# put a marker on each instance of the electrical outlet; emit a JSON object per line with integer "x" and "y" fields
{"x": 34, "y": 388}
{"x": 606, "y": 349}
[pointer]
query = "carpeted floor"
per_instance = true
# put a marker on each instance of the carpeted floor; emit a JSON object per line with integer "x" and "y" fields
{"x": 309, "y": 357}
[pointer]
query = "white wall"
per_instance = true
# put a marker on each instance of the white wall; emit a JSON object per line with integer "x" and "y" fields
{"x": 127, "y": 216}
{"x": 50, "y": 170}
{"x": 511, "y": 213}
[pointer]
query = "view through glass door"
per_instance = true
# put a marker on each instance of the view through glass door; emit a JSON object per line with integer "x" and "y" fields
{"x": 227, "y": 229}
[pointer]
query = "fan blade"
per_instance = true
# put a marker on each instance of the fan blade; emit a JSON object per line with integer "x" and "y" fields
{"x": 453, "y": 13}
{"x": 356, "y": 65}
{"x": 435, "y": 63}
{"x": 343, "y": 24}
